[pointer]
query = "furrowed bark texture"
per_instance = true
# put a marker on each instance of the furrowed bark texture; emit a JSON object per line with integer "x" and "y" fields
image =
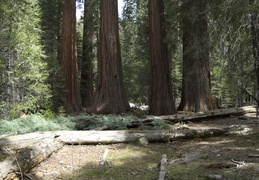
{"x": 161, "y": 99}
{"x": 196, "y": 85}
{"x": 110, "y": 93}
{"x": 68, "y": 58}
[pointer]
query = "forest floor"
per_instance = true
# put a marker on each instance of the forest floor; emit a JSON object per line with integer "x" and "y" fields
{"x": 233, "y": 156}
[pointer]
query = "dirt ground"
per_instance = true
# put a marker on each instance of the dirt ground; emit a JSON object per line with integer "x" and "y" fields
{"x": 231, "y": 156}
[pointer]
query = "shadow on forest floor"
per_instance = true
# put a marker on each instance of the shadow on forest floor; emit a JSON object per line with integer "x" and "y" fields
{"x": 228, "y": 157}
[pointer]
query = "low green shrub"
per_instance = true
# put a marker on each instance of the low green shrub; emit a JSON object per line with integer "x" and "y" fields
{"x": 34, "y": 123}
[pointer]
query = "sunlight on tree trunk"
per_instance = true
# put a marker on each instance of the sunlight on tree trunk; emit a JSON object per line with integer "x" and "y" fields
{"x": 110, "y": 93}
{"x": 68, "y": 58}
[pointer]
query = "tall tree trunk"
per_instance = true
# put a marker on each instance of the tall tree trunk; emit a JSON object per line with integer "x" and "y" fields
{"x": 161, "y": 99}
{"x": 68, "y": 57}
{"x": 87, "y": 55}
{"x": 110, "y": 93}
{"x": 255, "y": 41}
{"x": 196, "y": 85}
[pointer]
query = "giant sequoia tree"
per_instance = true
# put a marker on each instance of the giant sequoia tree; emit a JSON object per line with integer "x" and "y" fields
{"x": 110, "y": 93}
{"x": 161, "y": 99}
{"x": 68, "y": 57}
{"x": 196, "y": 83}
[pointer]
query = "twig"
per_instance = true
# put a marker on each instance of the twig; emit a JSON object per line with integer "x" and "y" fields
{"x": 103, "y": 159}
{"x": 237, "y": 162}
{"x": 253, "y": 155}
{"x": 24, "y": 175}
{"x": 16, "y": 159}
{"x": 162, "y": 171}
{"x": 20, "y": 169}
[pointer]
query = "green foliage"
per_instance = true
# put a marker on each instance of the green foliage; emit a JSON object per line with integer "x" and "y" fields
{"x": 135, "y": 49}
{"x": 232, "y": 60}
{"x": 24, "y": 73}
{"x": 174, "y": 42}
{"x": 50, "y": 24}
{"x": 116, "y": 122}
{"x": 34, "y": 123}
{"x": 160, "y": 124}
{"x": 45, "y": 121}
{"x": 30, "y": 72}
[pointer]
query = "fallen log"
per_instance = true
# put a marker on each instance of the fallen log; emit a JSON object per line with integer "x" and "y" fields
{"x": 125, "y": 136}
{"x": 25, "y": 152}
{"x": 22, "y": 141}
{"x": 28, "y": 150}
{"x": 191, "y": 116}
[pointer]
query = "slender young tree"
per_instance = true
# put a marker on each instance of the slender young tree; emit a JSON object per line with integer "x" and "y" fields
{"x": 68, "y": 57}
{"x": 196, "y": 83}
{"x": 161, "y": 99}
{"x": 110, "y": 93}
{"x": 87, "y": 62}
{"x": 255, "y": 40}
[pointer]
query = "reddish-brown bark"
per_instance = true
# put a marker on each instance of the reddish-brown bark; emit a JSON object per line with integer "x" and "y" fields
{"x": 196, "y": 85}
{"x": 110, "y": 93}
{"x": 68, "y": 57}
{"x": 161, "y": 99}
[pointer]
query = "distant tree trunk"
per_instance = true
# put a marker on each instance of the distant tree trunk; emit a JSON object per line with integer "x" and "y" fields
{"x": 110, "y": 93}
{"x": 255, "y": 41}
{"x": 68, "y": 57}
{"x": 161, "y": 99}
{"x": 196, "y": 85}
{"x": 87, "y": 66}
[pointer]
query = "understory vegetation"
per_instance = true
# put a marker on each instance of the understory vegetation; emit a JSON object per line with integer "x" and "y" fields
{"x": 39, "y": 122}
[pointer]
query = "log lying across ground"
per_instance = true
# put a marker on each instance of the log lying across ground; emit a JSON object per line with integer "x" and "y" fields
{"x": 181, "y": 116}
{"x": 26, "y": 151}
{"x": 191, "y": 116}
{"x": 125, "y": 136}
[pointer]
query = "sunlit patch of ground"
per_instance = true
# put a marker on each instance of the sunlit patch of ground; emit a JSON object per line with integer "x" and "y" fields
{"x": 137, "y": 162}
